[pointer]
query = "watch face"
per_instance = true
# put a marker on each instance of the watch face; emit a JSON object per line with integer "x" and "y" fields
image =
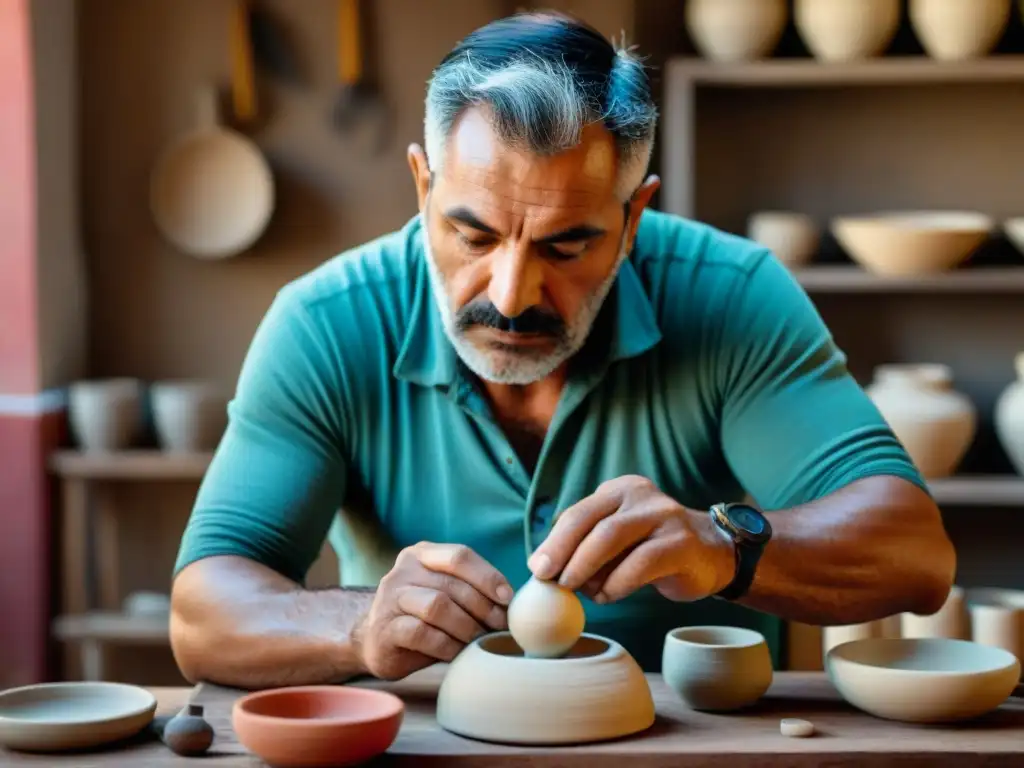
{"x": 748, "y": 520}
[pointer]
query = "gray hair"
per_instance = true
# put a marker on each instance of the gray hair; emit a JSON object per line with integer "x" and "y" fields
{"x": 543, "y": 102}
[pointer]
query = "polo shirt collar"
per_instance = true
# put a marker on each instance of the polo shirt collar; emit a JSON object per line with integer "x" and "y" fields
{"x": 626, "y": 327}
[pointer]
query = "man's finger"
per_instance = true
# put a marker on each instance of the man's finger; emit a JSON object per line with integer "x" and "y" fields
{"x": 607, "y": 540}
{"x": 463, "y": 563}
{"x": 650, "y": 561}
{"x": 438, "y": 610}
{"x": 571, "y": 527}
{"x": 409, "y": 633}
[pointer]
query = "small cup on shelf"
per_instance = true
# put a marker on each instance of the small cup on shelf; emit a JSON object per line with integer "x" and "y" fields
{"x": 105, "y": 415}
{"x": 189, "y": 416}
{"x": 793, "y": 237}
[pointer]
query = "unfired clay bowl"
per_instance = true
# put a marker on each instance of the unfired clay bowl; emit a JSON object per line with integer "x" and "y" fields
{"x": 716, "y": 669}
{"x": 317, "y": 726}
{"x": 58, "y": 717}
{"x": 913, "y": 242}
{"x": 595, "y": 692}
{"x": 922, "y": 680}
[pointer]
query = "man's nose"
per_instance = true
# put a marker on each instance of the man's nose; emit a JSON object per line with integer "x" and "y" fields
{"x": 516, "y": 281}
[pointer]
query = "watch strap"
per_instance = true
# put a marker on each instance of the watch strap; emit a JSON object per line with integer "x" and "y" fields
{"x": 748, "y": 554}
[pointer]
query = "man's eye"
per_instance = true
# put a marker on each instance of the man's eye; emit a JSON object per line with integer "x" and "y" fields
{"x": 473, "y": 244}
{"x": 569, "y": 250}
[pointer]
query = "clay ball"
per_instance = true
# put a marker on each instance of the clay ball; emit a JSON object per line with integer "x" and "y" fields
{"x": 545, "y": 619}
{"x": 188, "y": 734}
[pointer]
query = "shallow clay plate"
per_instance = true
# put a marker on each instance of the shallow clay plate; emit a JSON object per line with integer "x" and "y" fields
{"x": 57, "y": 717}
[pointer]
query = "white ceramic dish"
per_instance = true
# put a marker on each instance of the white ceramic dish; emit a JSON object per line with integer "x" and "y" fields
{"x": 596, "y": 692}
{"x": 912, "y": 242}
{"x": 58, "y": 717}
{"x": 922, "y": 680}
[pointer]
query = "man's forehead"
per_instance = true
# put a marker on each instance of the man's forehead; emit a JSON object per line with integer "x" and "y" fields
{"x": 479, "y": 164}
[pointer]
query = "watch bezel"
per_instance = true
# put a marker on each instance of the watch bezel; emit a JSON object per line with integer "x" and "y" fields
{"x": 722, "y": 514}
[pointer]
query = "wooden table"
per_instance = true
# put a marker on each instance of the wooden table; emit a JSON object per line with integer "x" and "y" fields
{"x": 680, "y": 739}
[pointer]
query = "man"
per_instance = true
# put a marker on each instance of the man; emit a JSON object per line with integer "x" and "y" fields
{"x": 538, "y": 375}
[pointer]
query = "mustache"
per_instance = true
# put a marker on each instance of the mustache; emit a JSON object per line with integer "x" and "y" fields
{"x": 533, "y": 320}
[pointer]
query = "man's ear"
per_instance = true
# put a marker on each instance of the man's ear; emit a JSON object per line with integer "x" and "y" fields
{"x": 640, "y": 200}
{"x": 420, "y": 173}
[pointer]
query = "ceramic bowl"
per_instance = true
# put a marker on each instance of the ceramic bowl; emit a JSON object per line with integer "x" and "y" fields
{"x": 57, "y": 717}
{"x": 716, "y": 669}
{"x": 913, "y": 242}
{"x": 792, "y": 237}
{"x": 1014, "y": 231}
{"x": 317, "y": 726}
{"x": 595, "y": 692}
{"x": 188, "y": 416}
{"x": 922, "y": 680}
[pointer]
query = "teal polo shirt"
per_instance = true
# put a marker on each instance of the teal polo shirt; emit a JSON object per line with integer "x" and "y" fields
{"x": 708, "y": 371}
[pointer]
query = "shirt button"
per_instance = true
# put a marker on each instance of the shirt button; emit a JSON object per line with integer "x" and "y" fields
{"x": 508, "y": 459}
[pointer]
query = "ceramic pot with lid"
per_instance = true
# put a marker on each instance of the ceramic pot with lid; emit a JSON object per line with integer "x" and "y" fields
{"x": 933, "y": 421}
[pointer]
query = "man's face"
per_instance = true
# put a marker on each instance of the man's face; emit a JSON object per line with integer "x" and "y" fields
{"x": 522, "y": 249}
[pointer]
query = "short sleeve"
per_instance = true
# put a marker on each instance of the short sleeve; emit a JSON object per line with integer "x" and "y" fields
{"x": 795, "y": 424}
{"x": 277, "y": 478}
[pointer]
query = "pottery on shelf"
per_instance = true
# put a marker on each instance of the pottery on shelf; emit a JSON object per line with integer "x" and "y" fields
{"x": 105, "y": 414}
{"x": 317, "y": 726}
{"x": 837, "y": 635}
{"x": 60, "y": 717}
{"x": 792, "y": 237}
{"x": 922, "y": 680}
{"x": 912, "y": 242}
{"x": 997, "y": 618}
{"x": 595, "y": 692}
{"x": 189, "y": 416}
{"x": 955, "y": 30}
{"x": 951, "y": 621}
{"x": 935, "y": 423}
{"x": 716, "y": 669}
{"x": 1009, "y": 417}
{"x": 1013, "y": 228}
{"x": 736, "y": 30}
{"x": 847, "y": 30}
{"x": 545, "y": 619}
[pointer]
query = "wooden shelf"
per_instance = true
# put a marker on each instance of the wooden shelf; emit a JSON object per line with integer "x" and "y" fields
{"x": 108, "y": 627}
{"x": 853, "y": 279}
{"x": 130, "y": 465}
{"x": 979, "y": 490}
{"x": 901, "y": 70}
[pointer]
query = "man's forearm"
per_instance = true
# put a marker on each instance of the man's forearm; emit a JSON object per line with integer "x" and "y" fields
{"x": 237, "y": 623}
{"x": 873, "y": 549}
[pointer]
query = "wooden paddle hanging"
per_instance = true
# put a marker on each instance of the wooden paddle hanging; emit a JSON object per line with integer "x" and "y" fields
{"x": 359, "y": 103}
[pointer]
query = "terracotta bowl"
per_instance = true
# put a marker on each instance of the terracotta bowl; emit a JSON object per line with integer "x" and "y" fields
{"x": 922, "y": 680}
{"x": 913, "y": 242}
{"x": 595, "y": 692}
{"x": 317, "y": 726}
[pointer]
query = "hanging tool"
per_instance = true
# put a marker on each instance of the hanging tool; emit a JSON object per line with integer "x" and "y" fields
{"x": 359, "y": 103}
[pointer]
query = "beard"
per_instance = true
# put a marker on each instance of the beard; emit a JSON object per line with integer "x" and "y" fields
{"x": 505, "y": 364}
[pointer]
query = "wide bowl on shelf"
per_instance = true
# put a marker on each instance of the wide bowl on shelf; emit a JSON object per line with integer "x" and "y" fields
{"x": 319, "y": 725}
{"x": 58, "y": 717}
{"x": 912, "y": 242}
{"x": 595, "y": 692}
{"x": 922, "y": 680}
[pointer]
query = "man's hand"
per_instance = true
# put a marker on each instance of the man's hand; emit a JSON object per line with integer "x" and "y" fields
{"x": 629, "y": 534}
{"x": 437, "y": 599}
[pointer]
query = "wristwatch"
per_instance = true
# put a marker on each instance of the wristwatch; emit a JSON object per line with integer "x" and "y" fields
{"x": 749, "y": 531}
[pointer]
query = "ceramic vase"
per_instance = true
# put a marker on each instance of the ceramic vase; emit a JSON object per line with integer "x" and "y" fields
{"x": 189, "y": 416}
{"x": 955, "y": 30}
{"x": 935, "y": 423}
{"x": 847, "y": 30}
{"x": 1009, "y": 417}
{"x": 716, "y": 669}
{"x": 736, "y": 30}
{"x": 951, "y": 621}
{"x": 792, "y": 237}
{"x": 105, "y": 414}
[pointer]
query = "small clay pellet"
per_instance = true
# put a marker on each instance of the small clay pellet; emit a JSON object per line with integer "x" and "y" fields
{"x": 798, "y": 729}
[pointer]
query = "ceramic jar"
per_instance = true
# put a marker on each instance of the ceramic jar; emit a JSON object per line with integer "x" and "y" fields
{"x": 188, "y": 415}
{"x": 955, "y": 30}
{"x": 935, "y": 423}
{"x": 951, "y": 621}
{"x": 847, "y": 30}
{"x": 997, "y": 618}
{"x": 105, "y": 414}
{"x": 1009, "y": 417}
{"x": 736, "y": 30}
{"x": 792, "y": 237}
